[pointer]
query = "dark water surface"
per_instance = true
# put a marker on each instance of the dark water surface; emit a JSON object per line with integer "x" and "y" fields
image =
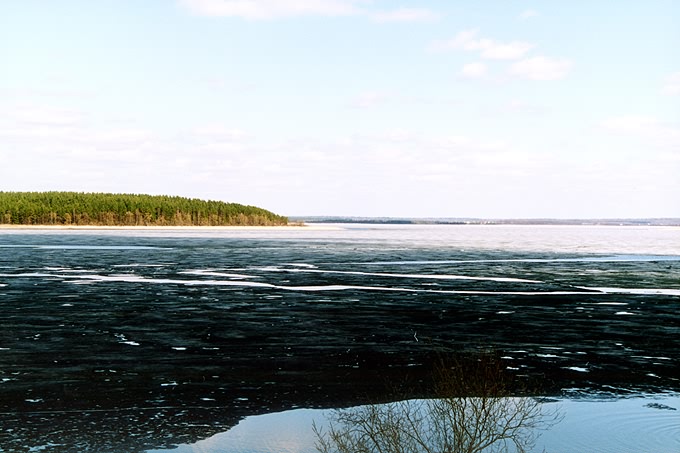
{"x": 125, "y": 341}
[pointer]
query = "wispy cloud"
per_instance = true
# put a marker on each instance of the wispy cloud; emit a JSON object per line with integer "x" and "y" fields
{"x": 43, "y": 115}
{"x": 671, "y": 86}
{"x": 53, "y": 92}
{"x": 369, "y": 99}
{"x": 476, "y": 70}
{"x": 216, "y": 131}
{"x": 469, "y": 40}
{"x": 278, "y": 9}
{"x": 517, "y": 106}
{"x": 522, "y": 65}
{"x": 647, "y": 128}
{"x": 71, "y": 153}
{"x": 271, "y": 9}
{"x": 406, "y": 15}
{"x": 541, "y": 68}
{"x": 528, "y": 14}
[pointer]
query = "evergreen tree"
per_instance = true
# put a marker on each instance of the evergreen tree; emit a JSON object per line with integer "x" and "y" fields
{"x": 67, "y": 208}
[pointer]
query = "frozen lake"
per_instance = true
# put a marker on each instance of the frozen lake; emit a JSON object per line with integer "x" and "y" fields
{"x": 142, "y": 340}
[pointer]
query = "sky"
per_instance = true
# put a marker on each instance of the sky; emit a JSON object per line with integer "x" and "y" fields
{"x": 431, "y": 108}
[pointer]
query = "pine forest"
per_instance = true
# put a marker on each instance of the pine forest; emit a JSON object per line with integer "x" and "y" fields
{"x": 106, "y": 209}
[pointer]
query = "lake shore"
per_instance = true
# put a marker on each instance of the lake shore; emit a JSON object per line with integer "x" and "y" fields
{"x": 302, "y": 227}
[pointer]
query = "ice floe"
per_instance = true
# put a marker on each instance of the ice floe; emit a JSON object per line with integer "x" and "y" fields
{"x": 640, "y": 291}
{"x": 414, "y": 276}
{"x": 214, "y": 273}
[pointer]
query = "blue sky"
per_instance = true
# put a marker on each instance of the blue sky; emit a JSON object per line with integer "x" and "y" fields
{"x": 349, "y": 107}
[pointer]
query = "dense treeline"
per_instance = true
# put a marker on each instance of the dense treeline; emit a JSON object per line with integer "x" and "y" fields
{"x": 74, "y": 208}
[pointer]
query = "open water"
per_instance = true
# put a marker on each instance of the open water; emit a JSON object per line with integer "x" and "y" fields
{"x": 143, "y": 340}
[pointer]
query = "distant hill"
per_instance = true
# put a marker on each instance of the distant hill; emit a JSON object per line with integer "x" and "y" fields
{"x": 477, "y": 221}
{"x": 75, "y": 208}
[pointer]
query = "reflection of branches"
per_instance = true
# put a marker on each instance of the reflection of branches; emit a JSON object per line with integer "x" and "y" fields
{"x": 473, "y": 412}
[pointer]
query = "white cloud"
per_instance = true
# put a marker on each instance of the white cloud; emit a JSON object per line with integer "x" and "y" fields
{"x": 407, "y": 15}
{"x": 541, "y": 68}
{"x": 647, "y": 128}
{"x": 672, "y": 85}
{"x": 463, "y": 40}
{"x": 470, "y": 41}
{"x": 533, "y": 68}
{"x": 517, "y": 106}
{"x": 327, "y": 176}
{"x": 53, "y": 92}
{"x": 475, "y": 70}
{"x": 528, "y": 14}
{"x": 629, "y": 123}
{"x": 271, "y": 9}
{"x": 276, "y": 9}
{"x": 217, "y": 131}
{"x": 505, "y": 51}
{"x": 369, "y": 99}
{"x": 43, "y": 115}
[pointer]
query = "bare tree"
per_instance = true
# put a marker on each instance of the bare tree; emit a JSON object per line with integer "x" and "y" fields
{"x": 473, "y": 411}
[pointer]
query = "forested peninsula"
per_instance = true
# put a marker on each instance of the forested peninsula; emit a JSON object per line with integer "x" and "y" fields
{"x": 107, "y": 209}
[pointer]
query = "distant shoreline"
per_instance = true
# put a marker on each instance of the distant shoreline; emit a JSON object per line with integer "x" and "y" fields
{"x": 320, "y": 220}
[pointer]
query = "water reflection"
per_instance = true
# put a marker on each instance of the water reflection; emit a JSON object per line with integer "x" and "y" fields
{"x": 606, "y": 425}
{"x": 282, "y": 432}
{"x": 473, "y": 411}
{"x": 474, "y": 408}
